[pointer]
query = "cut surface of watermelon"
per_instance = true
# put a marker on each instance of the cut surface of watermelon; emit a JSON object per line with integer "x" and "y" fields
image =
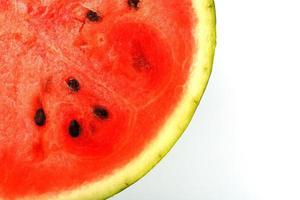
{"x": 94, "y": 93}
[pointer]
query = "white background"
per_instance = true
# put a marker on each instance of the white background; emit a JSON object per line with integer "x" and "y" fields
{"x": 244, "y": 141}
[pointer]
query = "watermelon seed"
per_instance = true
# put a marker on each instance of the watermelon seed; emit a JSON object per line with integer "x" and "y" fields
{"x": 101, "y": 112}
{"x": 134, "y": 3}
{"x": 74, "y": 128}
{"x": 40, "y": 117}
{"x": 93, "y": 16}
{"x": 73, "y": 84}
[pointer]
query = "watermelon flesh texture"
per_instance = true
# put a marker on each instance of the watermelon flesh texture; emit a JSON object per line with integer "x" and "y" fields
{"x": 131, "y": 62}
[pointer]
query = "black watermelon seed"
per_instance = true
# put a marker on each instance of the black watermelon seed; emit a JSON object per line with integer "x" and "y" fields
{"x": 101, "y": 112}
{"x": 73, "y": 84}
{"x": 40, "y": 117}
{"x": 74, "y": 128}
{"x": 93, "y": 16}
{"x": 134, "y": 3}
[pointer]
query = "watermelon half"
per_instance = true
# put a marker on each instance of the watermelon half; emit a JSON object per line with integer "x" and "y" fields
{"x": 94, "y": 93}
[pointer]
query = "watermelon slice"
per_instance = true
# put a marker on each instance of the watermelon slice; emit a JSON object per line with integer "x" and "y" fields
{"x": 94, "y": 93}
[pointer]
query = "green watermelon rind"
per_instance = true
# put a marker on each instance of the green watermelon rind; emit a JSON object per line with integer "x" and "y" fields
{"x": 205, "y": 34}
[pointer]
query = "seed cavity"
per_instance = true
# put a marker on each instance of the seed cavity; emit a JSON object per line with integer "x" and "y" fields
{"x": 139, "y": 59}
{"x": 140, "y": 63}
{"x": 74, "y": 128}
{"x": 93, "y": 16}
{"x": 40, "y": 117}
{"x": 134, "y": 4}
{"x": 73, "y": 84}
{"x": 101, "y": 112}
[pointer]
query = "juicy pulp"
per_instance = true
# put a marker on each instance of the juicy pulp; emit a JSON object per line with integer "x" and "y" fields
{"x": 133, "y": 62}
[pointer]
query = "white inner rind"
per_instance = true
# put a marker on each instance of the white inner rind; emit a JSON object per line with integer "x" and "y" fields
{"x": 205, "y": 35}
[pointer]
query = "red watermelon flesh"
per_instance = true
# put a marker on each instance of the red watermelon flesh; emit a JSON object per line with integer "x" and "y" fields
{"x": 104, "y": 75}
